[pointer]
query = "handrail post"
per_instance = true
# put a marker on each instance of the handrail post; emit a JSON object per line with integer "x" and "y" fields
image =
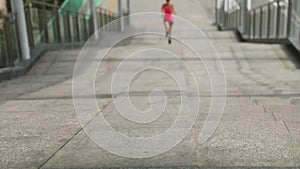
{"x": 29, "y": 26}
{"x": 128, "y": 12}
{"x": 254, "y": 24}
{"x": 269, "y": 21}
{"x": 289, "y": 19}
{"x": 226, "y": 8}
{"x": 247, "y": 17}
{"x": 44, "y": 24}
{"x": 261, "y": 22}
{"x": 217, "y": 11}
{"x": 7, "y": 34}
{"x": 120, "y": 15}
{"x": 94, "y": 17}
{"x": 57, "y": 25}
{"x": 18, "y": 7}
{"x": 278, "y": 20}
{"x": 84, "y": 28}
{"x": 77, "y": 27}
{"x": 102, "y": 14}
{"x": 69, "y": 38}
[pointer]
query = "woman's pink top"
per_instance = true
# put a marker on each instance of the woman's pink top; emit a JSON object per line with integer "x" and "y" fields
{"x": 168, "y": 10}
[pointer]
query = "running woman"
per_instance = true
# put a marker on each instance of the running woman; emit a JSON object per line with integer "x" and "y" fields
{"x": 168, "y": 10}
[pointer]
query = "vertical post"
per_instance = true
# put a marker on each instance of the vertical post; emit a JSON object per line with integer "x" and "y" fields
{"x": 249, "y": 20}
{"x": 269, "y": 21}
{"x": 9, "y": 48}
{"x": 18, "y": 7}
{"x": 77, "y": 27}
{"x": 102, "y": 18}
{"x": 248, "y": 4}
{"x": 57, "y": 25}
{"x": 94, "y": 17}
{"x": 84, "y": 27}
{"x": 278, "y": 20}
{"x": 128, "y": 12}
{"x": 254, "y": 24}
{"x": 217, "y": 11}
{"x": 261, "y": 22}
{"x": 44, "y": 24}
{"x": 120, "y": 15}
{"x": 289, "y": 19}
{"x": 69, "y": 38}
{"x": 29, "y": 27}
{"x": 247, "y": 16}
{"x": 226, "y": 6}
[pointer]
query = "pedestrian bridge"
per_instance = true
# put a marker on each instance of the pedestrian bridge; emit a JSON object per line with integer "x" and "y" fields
{"x": 125, "y": 98}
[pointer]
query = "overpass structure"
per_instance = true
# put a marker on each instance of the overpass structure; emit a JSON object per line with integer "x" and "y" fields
{"x": 43, "y": 126}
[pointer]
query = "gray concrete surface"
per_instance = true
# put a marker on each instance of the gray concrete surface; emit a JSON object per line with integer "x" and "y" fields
{"x": 260, "y": 127}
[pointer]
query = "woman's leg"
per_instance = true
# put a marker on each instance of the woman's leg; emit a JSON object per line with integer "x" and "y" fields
{"x": 170, "y": 32}
{"x": 167, "y": 27}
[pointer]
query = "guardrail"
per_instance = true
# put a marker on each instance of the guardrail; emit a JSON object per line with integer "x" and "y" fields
{"x": 275, "y": 22}
{"x": 9, "y": 41}
{"x": 47, "y": 24}
{"x": 105, "y": 16}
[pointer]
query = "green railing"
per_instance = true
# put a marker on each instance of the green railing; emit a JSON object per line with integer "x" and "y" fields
{"x": 47, "y": 25}
{"x": 73, "y": 5}
{"x": 275, "y": 22}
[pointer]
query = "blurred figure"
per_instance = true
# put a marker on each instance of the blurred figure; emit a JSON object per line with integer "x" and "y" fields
{"x": 3, "y": 11}
{"x": 3, "y": 7}
{"x": 168, "y": 10}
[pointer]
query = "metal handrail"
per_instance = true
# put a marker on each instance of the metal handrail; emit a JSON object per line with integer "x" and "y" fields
{"x": 46, "y": 24}
{"x": 28, "y": 4}
{"x": 9, "y": 15}
{"x": 267, "y": 4}
{"x": 9, "y": 38}
{"x": 272, "y": 22}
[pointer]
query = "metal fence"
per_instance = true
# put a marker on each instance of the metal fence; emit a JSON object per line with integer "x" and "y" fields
{"x": 9, "y": 43}
{"x": 277, "y": 21}
{"x": 47, "y": 24}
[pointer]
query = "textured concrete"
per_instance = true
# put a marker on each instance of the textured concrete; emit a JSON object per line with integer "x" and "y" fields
{"x": 260, "y": 127}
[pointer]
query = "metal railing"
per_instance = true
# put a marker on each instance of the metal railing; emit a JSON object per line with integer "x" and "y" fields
{"x": 105, "y": 16}
{"x": 275, "y": 22}
{"x": 9, "y": 41}
{"x": 47, "y": 24}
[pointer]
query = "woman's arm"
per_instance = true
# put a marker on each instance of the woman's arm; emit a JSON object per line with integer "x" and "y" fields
{"x": 173, "y": 9}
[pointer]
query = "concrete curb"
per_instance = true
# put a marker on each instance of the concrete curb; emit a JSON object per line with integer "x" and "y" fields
{"x": 24, "y": 67}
